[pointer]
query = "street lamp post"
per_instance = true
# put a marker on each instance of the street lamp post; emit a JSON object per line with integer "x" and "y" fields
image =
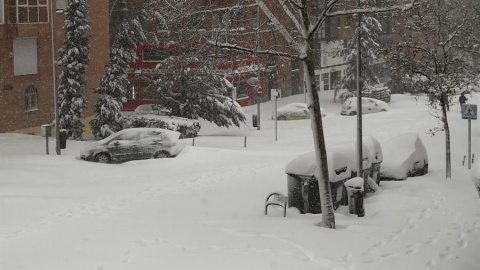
{"x": 55, "y": 86}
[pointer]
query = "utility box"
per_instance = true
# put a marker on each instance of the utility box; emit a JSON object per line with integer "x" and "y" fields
{"x": 46, "y": 130}
{"x": 254, "y": 120}
{"x": 63, "y": 138}
{"x": 303, "y": 192}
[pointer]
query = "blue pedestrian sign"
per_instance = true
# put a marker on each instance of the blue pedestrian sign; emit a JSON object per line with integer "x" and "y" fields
{"x": 469, "y": 111}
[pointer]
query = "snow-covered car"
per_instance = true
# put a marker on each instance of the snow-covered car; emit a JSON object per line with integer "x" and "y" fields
{"x": 404, "y": 156}
{"x": 151, "y": 109}
{"x": 294, "y": 111}
{"x": 133, "y": 144}
{"x": 369, "y": 105}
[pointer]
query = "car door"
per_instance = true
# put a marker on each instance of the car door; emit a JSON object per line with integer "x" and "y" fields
{"x": 365, "y": 106}
{"x": 124, "y": 147}
{"x": 150, "y": 142}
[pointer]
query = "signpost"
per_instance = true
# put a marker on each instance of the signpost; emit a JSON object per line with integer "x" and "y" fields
{"x": 274, "y": 95}
{"x": 469, "y": 112}
{"x": 255, "y": 82}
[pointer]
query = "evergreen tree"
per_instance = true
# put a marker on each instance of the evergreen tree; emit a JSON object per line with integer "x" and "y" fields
{"x": 370, "y": 49}
{"x": 114, "y": 84}
{"x": 74, "y": 57}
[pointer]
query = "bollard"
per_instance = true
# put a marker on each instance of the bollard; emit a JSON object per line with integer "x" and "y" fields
{"x": 245, "y": 142}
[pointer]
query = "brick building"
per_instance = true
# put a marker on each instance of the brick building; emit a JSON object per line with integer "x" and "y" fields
{"x": 26, "y": 79}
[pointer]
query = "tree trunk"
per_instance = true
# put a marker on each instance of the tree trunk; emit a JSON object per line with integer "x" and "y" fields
{"x": 448, "y": 165}
{"x": 328, "y": 216}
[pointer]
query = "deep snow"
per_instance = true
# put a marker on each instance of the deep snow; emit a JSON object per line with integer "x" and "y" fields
{"x": 205, "y": 208}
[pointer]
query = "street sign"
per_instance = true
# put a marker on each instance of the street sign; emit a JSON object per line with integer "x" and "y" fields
{"x": 469, "y": 111}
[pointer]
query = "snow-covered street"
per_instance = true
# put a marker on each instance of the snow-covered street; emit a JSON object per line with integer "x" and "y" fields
{"x": 204, "y": 209}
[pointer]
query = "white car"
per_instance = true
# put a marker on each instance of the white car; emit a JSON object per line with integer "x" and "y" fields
{"x": 369, "y": 105}
{"x": 294, "y": 111}
{"x": 132, "y": 144}
{"x": 404, "y": 156}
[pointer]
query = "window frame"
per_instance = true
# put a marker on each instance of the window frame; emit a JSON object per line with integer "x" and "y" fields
{"x": 19, "y": 65}
{"x": 326, "y": 81}
{"x": 28, "y": 7}
{"x": 31, "y": 98}
{"x": 255, "y": 18}
{"x": 64, "y": 4}
{"x": 2, "y": 12}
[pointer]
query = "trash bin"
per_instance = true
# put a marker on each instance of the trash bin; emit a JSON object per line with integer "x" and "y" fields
{"x": 254, "y": 120}
{"x": 355, "y": 193}
{"x": 303, "y": 192}
{"x": 63, "y": 138}
{"x": 376, "y": 157}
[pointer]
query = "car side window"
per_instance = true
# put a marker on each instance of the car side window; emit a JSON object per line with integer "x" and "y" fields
{"x": 127, "y": 137}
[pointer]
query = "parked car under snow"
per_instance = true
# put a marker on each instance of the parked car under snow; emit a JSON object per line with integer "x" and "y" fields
{"x": 369, "y": 105}
{"x": 294, "y": 111}
{"x": 404, "y": 156}
{"x": 133, "y": 144}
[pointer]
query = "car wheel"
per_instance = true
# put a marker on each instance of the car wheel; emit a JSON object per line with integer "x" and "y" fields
{"x": 162, "y": 154}
{"x": 425, "y": 168}
{"x": 382, "y": 110}
{"x": 103, "y": 158}
{"x": 282, "y": 117}
{"x": 353, "y": 113}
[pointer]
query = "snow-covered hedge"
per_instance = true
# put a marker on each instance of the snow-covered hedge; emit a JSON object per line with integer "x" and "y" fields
{"x": 188, "y": 128}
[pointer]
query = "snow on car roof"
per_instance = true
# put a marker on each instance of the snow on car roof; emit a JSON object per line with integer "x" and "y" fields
{"x": 400, "y": 152}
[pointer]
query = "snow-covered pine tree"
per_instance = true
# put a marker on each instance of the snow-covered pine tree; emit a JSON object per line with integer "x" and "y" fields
{"x": 189, "y": 83}
{"x": 74, "y": 58}
{"x": 370, "y": 48}
{"x": 114, "y": 84}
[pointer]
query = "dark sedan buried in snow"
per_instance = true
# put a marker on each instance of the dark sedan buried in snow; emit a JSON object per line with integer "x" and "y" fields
{"x": 134, "y": 144}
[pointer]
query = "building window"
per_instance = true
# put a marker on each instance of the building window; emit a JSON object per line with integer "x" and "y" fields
{"x": 2, "y": 19}
{"x": 240, "y": 18}
{"x": 317, "y": 82}
{"x": 61, "y": 4}
{"x": 255, "y": 19}
{"x": 25, "y": 56}
{"x": 27, "y": 11}
{"x": 348, "y": 21}
{"x": 242, "y": 90}
{"x": 31, "y": 98}
{"x": 216, "y": 20}
{"x": 326, "y": 81}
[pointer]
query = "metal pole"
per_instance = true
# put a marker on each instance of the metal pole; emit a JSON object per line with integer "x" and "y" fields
{"x": 46, "y": 144}
{"x": 258, "y": 108}
{"x": 359, "y": 96}
{"x": 276, "y": 98}
{"x": 55, "y": 86}
{"x": 469, "y": 144}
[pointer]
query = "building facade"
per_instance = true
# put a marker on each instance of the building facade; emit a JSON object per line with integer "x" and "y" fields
{"x": 26, "y": 73}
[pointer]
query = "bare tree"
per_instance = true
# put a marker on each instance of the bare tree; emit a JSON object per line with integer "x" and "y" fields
{"x": 297, "y": 22}
{"x": 435, "y": 50}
